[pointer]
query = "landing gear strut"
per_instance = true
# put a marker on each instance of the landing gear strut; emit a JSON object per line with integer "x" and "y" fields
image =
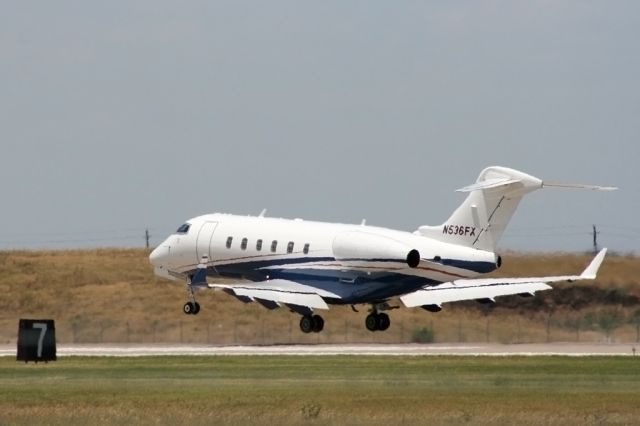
{"x": 311, "y": 323}
{"x": 191, "y": 307}
{"x": 377, "y": 321}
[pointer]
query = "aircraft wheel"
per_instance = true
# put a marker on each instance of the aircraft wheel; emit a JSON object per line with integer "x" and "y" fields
{"x": 318, "y": 323}
{"x": 196, "y": 308}
{"x": 188, "y": 308}
{"x": 371, "y": 322}
{"x": 306, "y": 324}
{"x": 383, "y": 321}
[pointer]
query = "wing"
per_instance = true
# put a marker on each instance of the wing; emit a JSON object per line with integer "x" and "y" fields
{"x": 490, "y": 288}
{"x": 273, "y": 293}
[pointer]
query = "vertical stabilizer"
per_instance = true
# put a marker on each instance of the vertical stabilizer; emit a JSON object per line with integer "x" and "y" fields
{"x": 482, "y": 218}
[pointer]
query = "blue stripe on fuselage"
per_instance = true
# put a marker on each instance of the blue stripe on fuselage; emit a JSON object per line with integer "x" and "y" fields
{"x": 479, "y": 267}
{"x": 252, "y": 267}
{"x": 352, "y": 286}
{"x": 260, "y": 270}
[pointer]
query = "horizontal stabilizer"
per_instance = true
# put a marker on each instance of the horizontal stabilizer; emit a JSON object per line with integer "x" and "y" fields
{"x": 578, "y": 186}
{"x": 487, "y": 184}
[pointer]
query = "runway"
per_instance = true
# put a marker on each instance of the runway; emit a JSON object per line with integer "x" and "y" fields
{"x": 471, "y": 349}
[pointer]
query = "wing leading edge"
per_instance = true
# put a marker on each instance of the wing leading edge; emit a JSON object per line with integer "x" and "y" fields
{"x": 489, "y": 288}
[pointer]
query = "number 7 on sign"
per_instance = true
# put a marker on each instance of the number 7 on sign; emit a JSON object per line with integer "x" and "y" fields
{"x": 43, "y": 330}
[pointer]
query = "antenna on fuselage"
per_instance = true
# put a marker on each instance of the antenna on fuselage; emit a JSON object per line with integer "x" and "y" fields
{"x": 262, "y": 213}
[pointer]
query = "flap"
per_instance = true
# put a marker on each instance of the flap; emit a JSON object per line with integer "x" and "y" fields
{"x": 279, "y": 291}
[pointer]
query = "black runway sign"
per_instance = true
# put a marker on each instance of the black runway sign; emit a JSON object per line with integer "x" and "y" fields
{"x": 36, "y": 340}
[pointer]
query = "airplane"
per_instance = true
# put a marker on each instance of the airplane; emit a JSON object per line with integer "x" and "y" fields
{"x": 305, "y": 266}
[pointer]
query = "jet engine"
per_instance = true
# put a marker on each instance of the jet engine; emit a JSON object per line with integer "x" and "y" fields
{"x": 357, "y": 245}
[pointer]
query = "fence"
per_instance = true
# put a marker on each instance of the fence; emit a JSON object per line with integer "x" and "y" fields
{"x": 269, "y": 328}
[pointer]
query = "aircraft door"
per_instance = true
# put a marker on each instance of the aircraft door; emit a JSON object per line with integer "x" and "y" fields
{"x": 203, "y": 243}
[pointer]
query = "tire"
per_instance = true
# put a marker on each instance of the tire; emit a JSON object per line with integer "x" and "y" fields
{"x": 383, "y": 322}
{"x": 306, "y": 324}
{"x": 371, "y": 322}
{"x": 318, "y": 323}
{"x": 196, "y": 308}
{"x": 188, "y": 308}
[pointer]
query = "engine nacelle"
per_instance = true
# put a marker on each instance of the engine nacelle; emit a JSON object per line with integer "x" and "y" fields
{"x": 357, "y": 245}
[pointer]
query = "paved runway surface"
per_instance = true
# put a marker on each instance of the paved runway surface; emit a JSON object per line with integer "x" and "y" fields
{"x": 473, "y": 349}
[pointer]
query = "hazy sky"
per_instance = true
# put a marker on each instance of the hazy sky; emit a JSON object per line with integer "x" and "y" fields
{"x": 118, "y": 116}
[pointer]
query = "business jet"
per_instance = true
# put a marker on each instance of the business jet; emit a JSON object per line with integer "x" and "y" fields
{"x": 305, "y": 266}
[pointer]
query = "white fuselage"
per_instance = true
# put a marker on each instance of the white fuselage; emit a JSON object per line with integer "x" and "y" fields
{"x": 355, "y": 263}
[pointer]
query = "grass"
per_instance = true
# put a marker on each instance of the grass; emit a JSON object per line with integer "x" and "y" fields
{"x": 111, "y": 295}
{"x": 321, "y": 390}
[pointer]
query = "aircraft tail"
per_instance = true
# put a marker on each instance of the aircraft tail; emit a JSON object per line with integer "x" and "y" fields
{"x": 482, "y": 218}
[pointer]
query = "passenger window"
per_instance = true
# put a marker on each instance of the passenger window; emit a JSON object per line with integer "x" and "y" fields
{"x": 243, "y": 244}
{"x": 305, "y": 250}
{"x": 229, "y": 241}
{"x": 259, "y": 245}
{"x": 274, "y": 245}
{"x": 290, "y": 247}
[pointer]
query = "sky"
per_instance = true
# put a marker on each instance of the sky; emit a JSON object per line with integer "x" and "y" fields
{"x": 121, "y": 116}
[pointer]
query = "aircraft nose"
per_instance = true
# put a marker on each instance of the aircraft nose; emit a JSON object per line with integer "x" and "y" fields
{"x": 159, "y": 255}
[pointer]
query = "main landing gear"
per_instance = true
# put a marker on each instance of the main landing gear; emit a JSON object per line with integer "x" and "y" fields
{"x": 311, "y": 323}
{"x": 377, "y": 321}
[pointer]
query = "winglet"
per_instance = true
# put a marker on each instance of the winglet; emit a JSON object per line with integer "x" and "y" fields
{"x": 590, "y": 272}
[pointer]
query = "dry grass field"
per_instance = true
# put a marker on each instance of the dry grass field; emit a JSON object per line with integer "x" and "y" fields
{"x": 111, "y": 295}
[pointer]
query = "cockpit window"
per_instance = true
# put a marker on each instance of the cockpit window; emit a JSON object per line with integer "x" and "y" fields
{"x": 183, "y": 229}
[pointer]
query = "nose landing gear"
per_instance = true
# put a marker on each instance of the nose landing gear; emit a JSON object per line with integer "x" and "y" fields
{"x": 191, "y": 308}
{"x": 195, "y": 281}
